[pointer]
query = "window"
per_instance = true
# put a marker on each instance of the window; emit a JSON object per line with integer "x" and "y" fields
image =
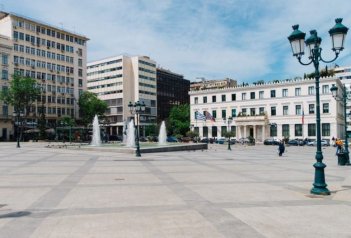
{"x": 204, "y": 99}
{"x": 233, "y": 97}
{"x": 261, "y": 110}
{"x": 80, "y": 72}
{"x": 285, "y": 110}
{"x": 260, "y": 94}
{"x": 214, "y": 131}
{"x": 311, "y": 108}
{"x": 243, "y": 96}
{"x": 80, "y": 62}
{"x": 325, "y": 107}
{"x": 298, "y": 129}
{"x": 5, "y": 110}
{"x": 311, "y": 129}
{"x": 252, "y": 111}
{"x": 223, "y": 98}
{"x": 233, "y": 112}
{"x": 311, "y": 90}
{"x": 214, "y": 98}
{"x": 285, "y": 92}
{"x": 223, "y": 130}
{"x": 224, "y": 113}
{"x": 297, "y": 91}
{"x": 233, "y": 130}
{"x": 273, "y": 111}
{"x": 272, "y": 93}
{"x": 80, "y": 82}
{"x": 5, "y": 74}
{"x": 273, "y": 130}
{"x": 5, "y": 59}
{"x": 325, "y": 129}
{"x": 298, "y": 110}
{"x": 285, "y": 130}
{"x": 196, "y": 100}
{"x": 214, "y": 114}
{"x": 325, "y": 89}
{"x": 252, "y": 95}
{"x": 243, "y": 111}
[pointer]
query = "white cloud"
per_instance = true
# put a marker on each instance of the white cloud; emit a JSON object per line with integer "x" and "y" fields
{"x": 246, "y": 40}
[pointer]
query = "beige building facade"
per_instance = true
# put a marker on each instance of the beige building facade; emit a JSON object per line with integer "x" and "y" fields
{"x": 285, "y": 109}
{"x": 6, "y": 124}
{"x": 56, "y": 58}
{"x": 122, "y": 79}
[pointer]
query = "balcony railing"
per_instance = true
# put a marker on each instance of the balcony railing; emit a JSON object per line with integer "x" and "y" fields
{"x": 244, "y": 117}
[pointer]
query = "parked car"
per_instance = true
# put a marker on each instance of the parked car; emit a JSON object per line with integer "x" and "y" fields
{"x": 243, "y": 140}
{"x": 296, "y": 142}
{"x": 323, "y": 143}
{"x": 142, "y": 139}
{"x": 220, "y": 140}
{"x": 172, "y": 139}
{"x": 204, "y": 140}
{"x": 232, "y": 141}
{"x": 271, "y": 141}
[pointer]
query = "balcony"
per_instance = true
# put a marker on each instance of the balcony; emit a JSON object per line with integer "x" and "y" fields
{"x": 5, "y": 117}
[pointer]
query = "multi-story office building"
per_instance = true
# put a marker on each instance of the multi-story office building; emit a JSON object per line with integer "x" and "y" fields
{"x": 172, "y": 90}
{"x": 213, "y": 84}
{"x": 283, "y": 109}
{"x": 344, "y": 74}
{"x": 123, "y": 79}
{"x": 6, "y": 125}
{"x": 53, "y": 56}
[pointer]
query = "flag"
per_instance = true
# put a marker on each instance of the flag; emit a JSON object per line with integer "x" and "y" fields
{"x": 303, "y": 117}
{"x": 199, "y": 116}
{"x": 209, "y": 116}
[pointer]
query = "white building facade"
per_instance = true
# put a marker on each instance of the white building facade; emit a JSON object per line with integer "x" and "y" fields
{"x": 120, "y": 80}
{"x": 285, "y": 109}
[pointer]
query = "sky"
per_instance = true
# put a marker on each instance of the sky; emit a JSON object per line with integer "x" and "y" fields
{"x": 244, "y": 40}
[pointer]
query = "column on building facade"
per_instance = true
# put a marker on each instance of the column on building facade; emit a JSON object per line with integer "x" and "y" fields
{"x": 263, "y": 132}
{"x": 245, "y": 131}
{"x": 255, "y": 132}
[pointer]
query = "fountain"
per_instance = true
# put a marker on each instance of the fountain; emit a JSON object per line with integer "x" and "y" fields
{"x": 131, "y": 134}
{"x": 162, "y": 136}
{"x": 96, "y": 141}
{"x": 124, "y": 131}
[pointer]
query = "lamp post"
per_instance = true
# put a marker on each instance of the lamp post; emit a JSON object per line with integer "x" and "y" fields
{"x": 136, "y": 109}
{"x": 18, "y": 114}
{"x": 334, "y": 90}
{"x": 228, "y": 121}
{"x": 297, "y": 41}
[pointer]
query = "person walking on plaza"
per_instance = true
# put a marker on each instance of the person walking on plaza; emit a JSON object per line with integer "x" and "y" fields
{"x": 339, "y": 144}
{"x": 281, "y": 148}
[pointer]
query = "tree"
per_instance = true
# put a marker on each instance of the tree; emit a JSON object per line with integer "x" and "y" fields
{"x": 179, "y": 119}
{"x": 21, "y": 94}
{"x": 90, "y": 105}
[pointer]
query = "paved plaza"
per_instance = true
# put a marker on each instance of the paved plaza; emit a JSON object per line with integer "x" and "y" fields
{"x": 246, "y": 192}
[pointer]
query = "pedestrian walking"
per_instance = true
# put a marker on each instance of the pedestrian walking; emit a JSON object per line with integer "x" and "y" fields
{"x": 281, "y": 148}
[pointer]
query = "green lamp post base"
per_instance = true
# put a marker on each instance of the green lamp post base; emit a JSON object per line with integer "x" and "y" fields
{"x": 320, "y": 190}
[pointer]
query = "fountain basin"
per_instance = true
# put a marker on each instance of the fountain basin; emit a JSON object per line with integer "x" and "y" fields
{"x": 144, "y": 148}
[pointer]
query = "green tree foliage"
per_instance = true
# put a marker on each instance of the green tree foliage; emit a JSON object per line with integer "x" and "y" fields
{"x": 179, "y": 120}
{"x": 21, "y": 94}
{"x": 229, "y": 134}
{"x": 90, "y": 105}
{"x": 66, "y": 121}
{"x": 324, "y": 73}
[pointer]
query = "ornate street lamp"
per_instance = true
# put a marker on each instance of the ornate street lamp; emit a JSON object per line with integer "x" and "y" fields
{"x": 337, "y": 33}
{"x": 334, "y": 90}
{"x": 228, "y": 121}
{"x": 18, "y": 115}
{"x": 136, "y": 109}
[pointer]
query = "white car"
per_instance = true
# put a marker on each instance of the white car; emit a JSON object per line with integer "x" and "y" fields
{"x": 314, "y": 143}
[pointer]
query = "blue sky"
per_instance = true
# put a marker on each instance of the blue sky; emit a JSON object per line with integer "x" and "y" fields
{"x": 240, "y": 39}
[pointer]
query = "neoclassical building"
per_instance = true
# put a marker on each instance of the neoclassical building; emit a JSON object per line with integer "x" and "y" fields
{"x": 284, "y": 109}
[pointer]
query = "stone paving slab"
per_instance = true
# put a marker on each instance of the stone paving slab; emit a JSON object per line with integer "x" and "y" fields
{"x": 246, "y": 192}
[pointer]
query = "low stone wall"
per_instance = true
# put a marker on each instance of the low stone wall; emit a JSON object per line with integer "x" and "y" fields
{"x": 182, "y": 147}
